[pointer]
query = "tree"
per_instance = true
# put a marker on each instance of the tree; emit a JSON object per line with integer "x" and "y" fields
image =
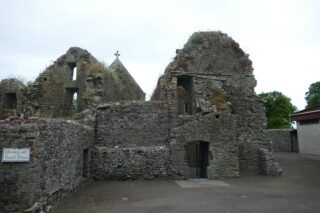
{"x": 278, "y": 109}
{"x": 313, "y": 95}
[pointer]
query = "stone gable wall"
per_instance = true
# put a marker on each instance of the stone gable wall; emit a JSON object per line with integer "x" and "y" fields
{"x": 222, "y": 81}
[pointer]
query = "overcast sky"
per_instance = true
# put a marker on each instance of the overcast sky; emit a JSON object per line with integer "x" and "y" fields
{"x": 281, "y": 36}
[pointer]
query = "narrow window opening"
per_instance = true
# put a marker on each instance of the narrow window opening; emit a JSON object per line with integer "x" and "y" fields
{"x": 71, "y": 101}
{"x": 11, "y": 100}
{"x": 74, "y": 74}
{"x": 72, "y": 70}
{"x": 74, "y": 106}
{"x": 307, "y": 122}
{"x": 184, "y": 94}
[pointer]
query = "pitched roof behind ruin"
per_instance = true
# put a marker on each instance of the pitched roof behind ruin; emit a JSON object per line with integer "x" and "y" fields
{"x": 127, "y": 83}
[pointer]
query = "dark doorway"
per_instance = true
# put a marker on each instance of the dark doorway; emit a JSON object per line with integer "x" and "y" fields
{"x": 197, "y": 159}
{"x": 11, "y": 100}
{"x": 184, "y": 94}
{"x": 85, "y": 169}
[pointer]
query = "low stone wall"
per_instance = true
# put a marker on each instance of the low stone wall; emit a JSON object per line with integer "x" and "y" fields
{"x": 268, "y": 164}
{"x": 283, "y": 140}
{"x": 129, "y": 163}
{"x": 56, "y": 162}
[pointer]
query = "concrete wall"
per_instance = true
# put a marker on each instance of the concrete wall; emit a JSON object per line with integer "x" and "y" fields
{"x": 283, "y": 140}
{"x": 56, "y": 165}
{"x": 309, "y": 140}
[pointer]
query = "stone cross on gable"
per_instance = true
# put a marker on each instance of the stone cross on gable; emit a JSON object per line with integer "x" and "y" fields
{"x": 117, "y": 54}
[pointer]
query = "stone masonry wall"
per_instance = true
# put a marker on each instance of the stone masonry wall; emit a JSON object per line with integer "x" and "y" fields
{"x": 283, "y": 140}
{"x": 131, "y": 141}
{"x": 16, "y": 88}
{"x": 55, "y": 168}
{"x": 132, "y": 124}
{"x": 216, "y": 129}
{"x": 129, "y": 163}
{"x": 219, "y": 77}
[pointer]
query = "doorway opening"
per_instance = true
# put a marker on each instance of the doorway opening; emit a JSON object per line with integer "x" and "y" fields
{"x": 85, "y": 168}
{"x": 197, "y": 159}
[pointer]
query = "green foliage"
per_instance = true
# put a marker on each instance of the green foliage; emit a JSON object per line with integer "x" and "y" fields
{"x": 96, "y": 68}
{"x": 218, "y": 99}
{"x": 278, "y": 109}
{"x": 313, "y": 95}
{"x": 112, "y": 76}
{"x": 100, "y": 68}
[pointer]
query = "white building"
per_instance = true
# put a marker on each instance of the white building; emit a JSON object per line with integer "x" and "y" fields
{"x": 308, "y": 127}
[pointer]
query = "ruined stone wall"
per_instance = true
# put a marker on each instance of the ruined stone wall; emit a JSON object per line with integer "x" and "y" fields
{"x": 137, "y": 140}
{"x": 221, "y": 80}
{"x": 52, "y": 92}
{"x": 131, "y": 141}
{"x": 122, "y": 163}
{"x": 132, "y": 124}
{"x": 219, "y": 132}
{"x": 51, "y": 95}
{"x": 56, "y": 165}
{"x": 11, "y": 98}
{"x": 283, "y": 140}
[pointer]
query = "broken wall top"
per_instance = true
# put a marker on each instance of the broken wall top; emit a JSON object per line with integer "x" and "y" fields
{"x": 212, "y": 53}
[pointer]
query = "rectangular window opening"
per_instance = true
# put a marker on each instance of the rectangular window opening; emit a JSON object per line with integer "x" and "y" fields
{"x": 308, "y": 122}
{"x": 73, "y": 70}
{"x": 11, "y": 100}
{"x": 184, "y": 94}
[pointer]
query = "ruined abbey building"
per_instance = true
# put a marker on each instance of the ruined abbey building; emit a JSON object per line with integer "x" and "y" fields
{"x": 204, "y": 121}
{"x": 76, "y": 81}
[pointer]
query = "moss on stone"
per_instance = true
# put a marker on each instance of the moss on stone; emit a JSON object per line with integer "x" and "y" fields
{"x": 218, "y": 99}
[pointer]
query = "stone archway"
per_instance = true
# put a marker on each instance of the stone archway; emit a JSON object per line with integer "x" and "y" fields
{"x": 197, "y": 158}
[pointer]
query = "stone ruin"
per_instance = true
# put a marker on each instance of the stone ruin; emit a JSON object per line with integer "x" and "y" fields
{"x": 204, "y": 120}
